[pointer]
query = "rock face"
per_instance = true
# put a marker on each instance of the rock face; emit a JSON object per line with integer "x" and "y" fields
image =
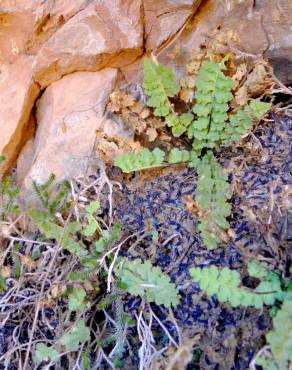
{"x": 68, "y": 115}
{"x": 264, "y": 28}
{"x": 18, "y": 93}
{"x": 164, "y": 19}
{"x": 100, "y": 35}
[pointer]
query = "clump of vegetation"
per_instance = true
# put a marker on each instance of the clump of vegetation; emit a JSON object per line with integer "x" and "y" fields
{"x": 92, "y": 279}
{"x": 210, "y": 124}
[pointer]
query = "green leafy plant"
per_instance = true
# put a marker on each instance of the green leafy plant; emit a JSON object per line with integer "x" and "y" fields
{"x": 211, "y": 199}
{"x": 53, "y": 196}
{"x": 89, "y": 263}
{"x": 225, "y": 284}
{"x": 92, "y": 225}
{"x": 144, "y": 160}
{"x": 76, "y": 299}
{"x": 45, "y": 353}
{"x": 2, "y": 284}
{"x": 8, "y": 196}
{"x": 65, "y": 236}
{"x": 159, "y": 84}
{"x": 78, "y": 334}
{"x": 209, "y": 125}
{"x": 279, "y": 340}
{"x": 71, "y": 340}
{"x": 213, "y": 96}
{"x": 145, "y": 280}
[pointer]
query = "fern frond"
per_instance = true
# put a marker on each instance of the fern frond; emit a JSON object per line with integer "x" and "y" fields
{"x": 211, "y": 198}
{"x": 136, "y": 162}
{"x": 159, "y": 84}
{"x": 212, "y": 103}
{"x": 225, "y": 284}
{"x": 144, "y": 279}
{"x": 76, "y": 299}
{"x": 241, "y": 122}
{"x": 280, "y": 340}
{"x": 92, "y": 225}
{"x": 3, "y": 285}
{"x": 64, "y": 236}
{"x": 53, "y": 196}
{"x": 16, "y": 261}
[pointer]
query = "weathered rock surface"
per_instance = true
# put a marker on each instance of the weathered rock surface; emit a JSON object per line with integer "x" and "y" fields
{"x": 68, "y": 115}
{"x": 164, "y": 18}
{"x": 277, "y": 21}
{"x": 18, "y": 93}
{"x": 103, "y": 34}
{"x": 26, "y": 25}
{"x": 264, "y": 28}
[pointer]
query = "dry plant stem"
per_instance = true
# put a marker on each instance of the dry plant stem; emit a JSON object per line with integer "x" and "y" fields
{"x": 147, "y": 347}
{"x": 264, "y": 350}
{"x": 39, "y": 306}
{"x": 173, "y": 319}
{"x": 117, "y": 249}
{"x": 30, "y": 241}
{"x": 164, "y": 328}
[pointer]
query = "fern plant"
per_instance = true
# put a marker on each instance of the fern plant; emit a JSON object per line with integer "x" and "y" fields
{"x": 225, "y": 284}
{"x": 209, "y": 125}
{"x": 145, "y": 280}
{"x": 53, "y": 196}
{"x": 279, "y": 340}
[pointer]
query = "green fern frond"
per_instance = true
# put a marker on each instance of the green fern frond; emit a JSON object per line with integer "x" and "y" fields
{"x": 64, "y": 236}
{"x": 3, "y": 285}
{"x": 76, "y": 299}
{"x": 159, "y": 84}
{"x": 240, "y": 123}
{"x": 225, "y": 284}
{"x": 53, "y": 196}
{"x": 211, "y": 198}
{"x": 136, "y": 162}
{"x": 143, "y": 279}
{"x": 280, "y": 340}
{"x": 8, "y": 194}
{"x": 92, "y": 225}
{"x": 16, "y": 261}
{"x": 212, "y": 104}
